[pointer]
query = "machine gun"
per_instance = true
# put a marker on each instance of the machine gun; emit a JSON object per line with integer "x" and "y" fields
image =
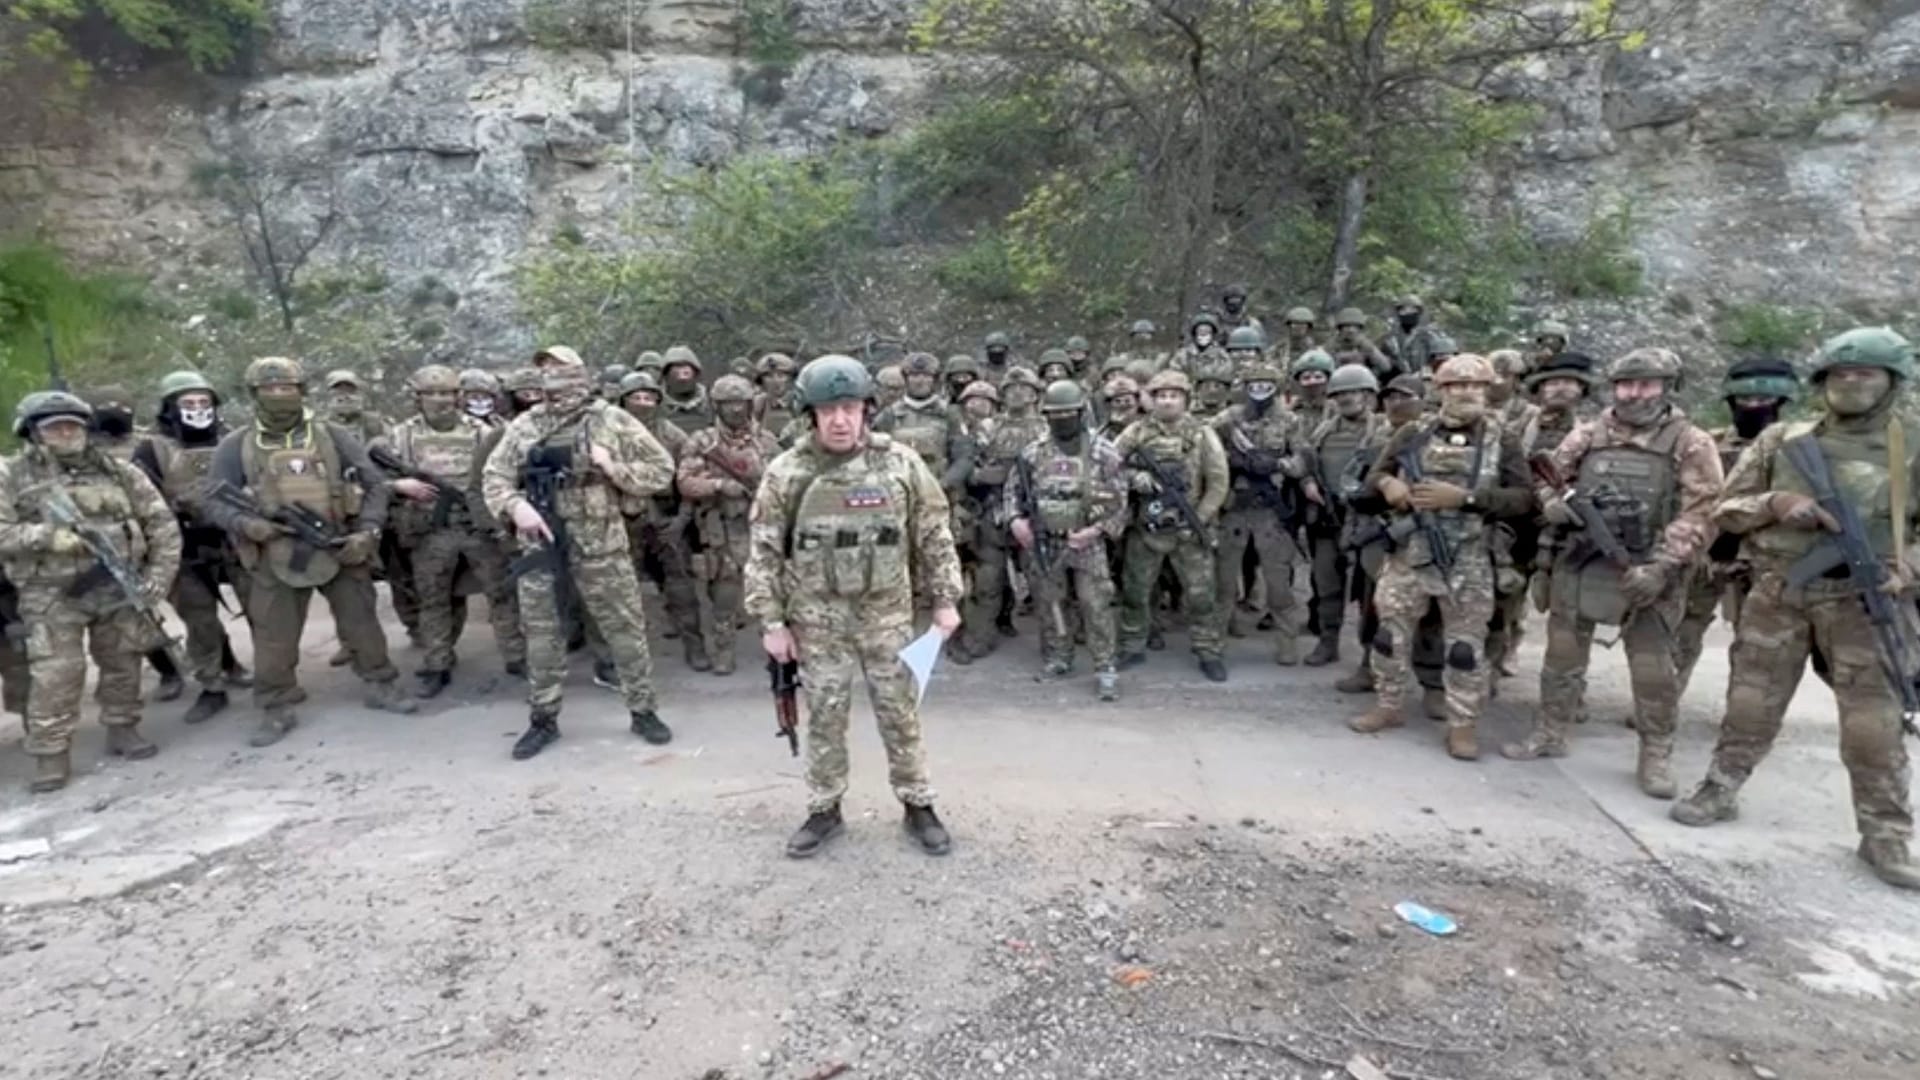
{"x": 1419, "y": 521}
{"x": 786, "y": 701}
{"x": 1045, "y": 553}
{"x": 310, "y": 531}
{"x": 547, "y": 471}
{"x": 1850, "y": 549}
{"x": 1173, "y": 492}
{"x": 448, "y": 496}
{"x": 1595, "y": 529}
{"x": 109, "y": 566}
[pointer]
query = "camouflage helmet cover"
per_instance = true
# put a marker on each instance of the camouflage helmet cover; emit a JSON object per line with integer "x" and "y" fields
{"x": 343, "y": 377}
{"x": 961, "y": 364}
{"x": 1646, "y": 363}
{"x": 980, "y": 389}
{"x": 434, "y": 378}
{"x": 45, "y": 405}
{"x": 522, "y": 379}
{"x": 1262, "y": 372}
{"x": 774, "y": 363}
{"x": 475, "y": 380}
{"x": 1349, "y": 377}
{"x": 730, "y": 388}
{"x": 1464, "y": 369}
{"x": 1170, "y": 380}
{"x": 1055, "y": 356}
{"x": 893, "y": 377}
{"x": 1023, "y": 376}
{"x": 274, "y": 370}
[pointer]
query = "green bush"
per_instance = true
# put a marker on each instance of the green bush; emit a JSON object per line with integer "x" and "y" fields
{"x": 577, "y": 24}
{"x": 211, "y": 34}
{"x": 983, "y": 150}
{"x": 766, "y": 33}
{"x": 1768, "y": 328}
{"x": 982, "y": 271}
{"x": 1600, "y": 262}
{"x": 234, "y": 305}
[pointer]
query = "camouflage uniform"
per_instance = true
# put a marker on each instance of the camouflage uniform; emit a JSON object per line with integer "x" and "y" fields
{"x": 592, "y": 503}
{"x": 1411, "y": 348}
{"x": 1189, "y": 452}
{"x": 719, "y": 468}
{"x": 1335, "y": 442}
{"x": 1655, "y": 480}
{"x": 1265, "y": 451}
{"x": 1351, "y": 345}
{"x": 1193, "y": 355}
{"x": 684, "y": 406}
{"x": 1515, "y": 414}
{"x": 1477, "y": 458}
{"x": 839, "y": 545}
{"x": 995, "y": 556}
{"x": 657, "y": 527}
{"x": 773, "y": 404}
{"x": 46, "y": 563}
{"x": 346, "y": 407}
{"x": 1770, "y": 503}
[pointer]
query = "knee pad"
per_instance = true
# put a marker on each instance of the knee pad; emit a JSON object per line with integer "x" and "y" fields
{"x": 1383, "y": 642}
{"x": 1460, "y": 657}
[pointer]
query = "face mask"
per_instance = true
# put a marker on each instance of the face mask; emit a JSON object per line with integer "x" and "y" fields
{"x": 1408, "y": 322}
{"x": 1640, "y": 412}
{"x": 1460, "y": 412}
{"x": 1261, "y": 391}
{"x": 1751, "y": 422}
{"x": 996, "y": 356}
{"x": 1203, "y": 337}
{"x": 568, "y": 389}
{"x": 347, "y": 406}
{"x": 1403, "y": 410}
{"x": 1064, "y": 428}
{"x": 114, "y": 422}
{"x": 1018, "y": 399}
{"x": 1855, "y": 397}
{"x": 198, "y": 419}
{"x": 480, "y": 407}
{"x": 1233, "y": 304}
{"x": 279, "y": 413}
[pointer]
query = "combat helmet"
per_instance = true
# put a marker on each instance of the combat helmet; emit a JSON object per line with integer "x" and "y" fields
{"x": 1063, "y": 395}
{"x": 1143, "y": 328}
{"x": 1865, "y": 346}
{"x": 774, "y": 363}
{"x": 1407, "y": 383}
{"x": 528, "y": 378}
{"x": 638, "y": 381}
{"x": 1409, "y": 300}
{"x": 1023, "y": 376}
{"x": 680, "y": 354}
{"x": 920, "y": 363}
{"x": 1441, "y": 346}
{"x": 1247, "y": 337}
{"x": 1053, "y": 357}
{"x": 275, "y": 370}
{"x": 1761, "y": 376}
{"x": 613, "y": 373}
{"x": 45, "y": 405}
{"x": 1119, "y": 385}
{"x": 1201, "y": 318}
{"x": 175, "y": 383}
{"x": 650, "y": 360}
{"x": 1170, "y": 380}
{"x": 1551, "y": 328}
{"x": 730, "y": 388}
{"x": 1464, "y": 369}
{"x": 1568, "y": 364}
{"x": 1300, "y": 315}
{"x": 827, "y": 379}
{"x": 996, "y": 339}
{"x": 343, "y": 377}
{"x": 960, "y": 364}
{"x": 1646, "y": 363}
{"x": 980, "y": 389}
{"x": 891, "y": 377}
{"x": 475, "y": 380}
{"x": 1313, "y": 360}
{"x": 434, "y": 378}
{"x": 1350, "y": 377}
{"x": 1076, "y": 343}
{"x": 1508, "y": 363}
{"x": 1350, "y": 316}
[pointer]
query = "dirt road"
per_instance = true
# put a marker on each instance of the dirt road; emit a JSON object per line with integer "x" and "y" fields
{"x": 1196, "y": 883}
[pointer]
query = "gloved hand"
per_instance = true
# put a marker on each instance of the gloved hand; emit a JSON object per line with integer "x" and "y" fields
{"x": 1396, "y": 492}
{"x": 1438, "y": 495}
{"x": 1541, "y": 591}
{"x": 1557, "y": 512}
{"x": 1797, "y": 511}
{"x": 1643, "y": 584}
{"x": 358, "y": 548}
{"x": 260, "y": 530}
{"x": 64, "y": 541}
{"x": 1145, "y": 484}
{"x": 154, "y": 591}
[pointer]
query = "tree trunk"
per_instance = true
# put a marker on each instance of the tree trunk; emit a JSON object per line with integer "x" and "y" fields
{"x": 1346, "y": 238}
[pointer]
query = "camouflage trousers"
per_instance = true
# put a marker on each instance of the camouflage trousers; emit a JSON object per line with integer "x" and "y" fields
{"x": 1465, "y": 603}
{"x": 1650, "y": 665}
{"x": 661, "y": 555}
{"x": 1083, "y": 579}
{"x": 1778, "y": 627}
{"x": 1256, "y": 531}
{"x": 197, "y": 600}
{"x": 839, "y": 642}
{"x": 1713, "y": 587}
{"x": 1330, "y": 583}
{"x": 1508, "y": 627}
{"x": 721, "y": 565}
{"x": 436, "y": 561}
{"x": 279, "y": 615}
{"x": 1146, "y": 555}
{"x": 13, "y": 651}
{"x": 996, "y": 559}
{"x": 62, "y": 631}
{"x": 609, "y": 594}
{"x": 396, "y": 565}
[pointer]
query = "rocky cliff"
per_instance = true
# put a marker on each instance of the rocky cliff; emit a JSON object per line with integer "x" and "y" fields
{"x": 1769, "y": 150}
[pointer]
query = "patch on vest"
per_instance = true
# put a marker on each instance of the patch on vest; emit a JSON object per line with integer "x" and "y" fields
{"x": 1063, "y": 467}
{"x": 866, "y": 498}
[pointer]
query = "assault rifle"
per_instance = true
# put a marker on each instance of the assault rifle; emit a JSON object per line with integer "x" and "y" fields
{"x": 447, "y": 495}
{"x": 309, "y": 530}
{"x": 1044, "y": 551}
{"x": 1439, "y": 548}
{"x": 786, "y": 701}
{"x": 547, "y": 471}
{"x": 1594, "y": 526}
{"x": 109, "y": 566}
{"x": 1850, "y": 549}
{"x": 1172, "y": 491}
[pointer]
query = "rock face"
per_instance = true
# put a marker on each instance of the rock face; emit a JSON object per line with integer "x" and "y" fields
{"x": 1768, "y": 151}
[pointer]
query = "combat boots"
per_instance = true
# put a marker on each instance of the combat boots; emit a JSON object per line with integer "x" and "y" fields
{"x": 924, "y": 826}
{"x": 431, "y": 683}
{"x": 1326, "y": 651}
{"x": 124, "y": 740}
{"x": 275, "y": 722}
{"x": 820, "y": 827}
{"x": 1890, "y": 861}
{"x": 1654, "y": 774}
{"x": 696, "y": 650}
{"x": 1541, "y": 743}
{"x": 51, "y": 772}
{"x": 341, "y": 657}
{"x": 1462, "y": 743}
{"x": 1286, "y": 650}
{"x": 648, "y": 726}
{"x": 723, "y": 661}
{"x": 1377, "y": 719}
{"x": 1711, "y": 803}
{"x": 1107, "y": 682}
{"x": 388, "y": 697}
{"x": 543, "y": 728}
{"x": 1433, "y": 702}
{"x": 1213, "y": 668}
{"x": 1360, "y": 681}
{"x": 209, "y": 704}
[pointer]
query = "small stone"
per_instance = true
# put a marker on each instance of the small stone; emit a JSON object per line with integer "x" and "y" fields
{"x": 1761, "y": 1072}
{"x": 1343, "y": 935}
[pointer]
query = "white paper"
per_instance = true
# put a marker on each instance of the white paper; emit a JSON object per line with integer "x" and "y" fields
{"x": 920, "y": 655}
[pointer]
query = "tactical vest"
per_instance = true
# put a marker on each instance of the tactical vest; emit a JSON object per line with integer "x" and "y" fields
{"x": 99, "y": 492}
{"x": 924, "y": 430}
{"x": 583, "y": 497}
{"x": 1546, "y": 431}
{"x": 311, "y": 476}
{"x": 1860, "y": 468}
{"x": 1730, "y": 445}
{"x": 1464, "y": 458}
{"x": 1173, "y": 449}
{"x": 448, "y": 456}
{"x": 848, "y": 537}
{"x": 1635, "y": 487}
{"x": 1062, "y": 488}
{"x": 690, "y": 415}
{"x": 183, "y": 469}
{"x": 1342, "y": 440}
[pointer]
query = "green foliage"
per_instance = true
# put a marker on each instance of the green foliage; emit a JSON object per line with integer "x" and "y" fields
{"x": 99, "y": 325}
{"x": 766, "y": 32}
{"x": 757, "y": 245}
{"x": 1768, "y": 328}
{"x": 576, "y": 24}
{"x": 981, "y": 151}
{"x": 982, "y": 271}
{"x": 211, "y": 34}
{"x": 1600, "y": 262}
{"x": 234, "y": 305}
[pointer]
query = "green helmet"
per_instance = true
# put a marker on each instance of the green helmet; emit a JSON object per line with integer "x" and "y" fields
{"x": 1143, "y": 327}
{"x": 1350, "y": 316}
{"x": 649, "y": 361}
{"x": 1408, "y": 384}
{"x": 1409, "y": 300}
{"x": 1547, "y": 328}
{"x": 1761, "y": 376}
{"x": 997, "y": 340}
{"x": 270, "y": 370}
{"x": 1235, "y": 289}
{"x": 1866, "y": 346}
{"x": 526, "y": 378}
{"x": 638, "y": 380}
{"x": 1063, "y": 395}
{"x": 1301, "y": 315}
{"x": 183, "y": 382}
{"x": 1440, "y": 346}
{"x": 680, "y": 354}
{"x": 434, "y": 378}
{"x": 830, "y": 378}
{"x": 961, "y": 364}
{"x": 1076, "y": 343}
{"x": 106, "y": 397}
{"x": 1353, "y": 377}
{"x": 1646, "y": 363}
{"x": 1313, "y": 360}
{"x": 1201, "y": 318}
{"x": 1246, "y": 337}
{"x": 45, "y": 405}
{"x": 1055, "y": 356}
{"x": 1113, "y": 364}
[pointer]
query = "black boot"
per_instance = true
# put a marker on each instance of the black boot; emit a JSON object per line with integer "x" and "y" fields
{"x": 517, "y": 668}
{"x": 209, "y": 704}
{"x": 606, "y": 675}
{"x": 1213, "y": 668}
{"x": 542, "y": 730}
{"x": 236, "y": 673}
{"x": 648, "y": 726}
{"x": 924, "y": 826}
{"x": 1327, "y": 651}
{"x": 820, "y": 827}
{"x": 431, "y": 683}
{"x": 171, "y": 684}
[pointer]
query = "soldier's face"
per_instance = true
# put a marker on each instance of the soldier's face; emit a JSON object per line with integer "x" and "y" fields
{"x": 958, "y": 382}
{"x": 734, "y": 414}
{"x": 1551, "y": 343}
{"x": 1203, "y": 335}
{"x": 437, "y": 404}
{"x": 641, "y": 404}
{"x": 527, "y": 399}
{"x": 1348, "y": 331}
{"x": 997, "y": 354}
{"x": 1169, "y": 404}
{"x": 1077, "y": 357}
{"x": 346, "y": 400}
{"x": 1018, "y": 396}
{"x": 1142, "y": 339}
{"x": 1297, "y": 330}
{"x": 1053, "y": 372}
{"x": 64, "y": 436}
{"x": 840, "y": 425}
{"x": 681, "y": 375}
{"x": 1402, "y": 408}
{"x": 195, "y": 409}
{"x": 980, "y": 408}
{"x": 776, "y": 384}
{"x": 1123, "y": 405}
{"x": 1638, "y": 389}
{"x": 1352, "y": 404}
{"x": 920, "y": 384}
{"x": 1560, "y": 393}
{"x": 1233, "y": 302}
{"x": 1313, "y": 384}
{"x": 1851, "y": 391}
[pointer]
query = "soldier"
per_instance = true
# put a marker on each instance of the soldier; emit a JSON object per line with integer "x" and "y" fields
{"x": 480, "y": 396}
{"x": 1247, "y": 347}
{"x": 1334, "y": 442}
{"x": 1212, "y": 388}
{"x": 1265, "y": 451}
{"x": 1018, "y": 424}
{"x": 1756, "y": 390}
{"x": 1550, "y": 339}
{"x": 925, "y": 423}
{"x": 1203, "y": 343}
{"x": 437, "y": 524}
{"x": 1054, "y": 366}
{"x": 1562, "y": 390}
{"x": 288, "y": 459}
{"x": 773, "y": 404}
{"x": 1299, "y": 326}
{"x": 522, "y": 386}
{"x": 1469, "y": 474}
{"x": 1123, "y": 405}
{"x": 1440, "y": 349}
{"x": 1514, "y": 413}
{"x": 1651, "y": 479}
{"x": 347, "y": 407}
{"x": 1363, "y": 529}
{"x": 177, "y": 456}
{"x": 998, "y": 351}
{"x": 959, "y": 371}
{"x": 1141, "y": 347}
{"x": 1510, "y": 407}
{"x": 889, "y": 384}
{"x": 1873, "y": 456}
{"x": 1067, "y": 495}
{"x": 847, "y": 527}
{"x": 652, "y": 362}
{"x": 1353, "y": 346}
{"x": 13, "y": 652}
{"x": 1233, "y": 307}
{"x": 600, "y": 462}
{"x": 1188, "y": 454}
{"x": 657, "y": 532}
{"x": 719, "y": 470}
{"x": 1409, "y": 342}
{"x": 67, "y": 610}
{"x": 1080, "y": 356}
{"x": 114, "y": 434}
{"x": 1309, "y": 397}
{"x": 684, "y": 400}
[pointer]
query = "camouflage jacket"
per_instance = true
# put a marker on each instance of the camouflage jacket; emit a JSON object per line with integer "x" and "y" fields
{"x": 1189, "y": 449}
{"x": 718, "y": 473}
{"x": 1072, "y": 489}
{"x": 1263, "y": 450}
{"x": 109, "y": 493}
{"x": 1695, "y": 470}
{"x": 593, "y": 502}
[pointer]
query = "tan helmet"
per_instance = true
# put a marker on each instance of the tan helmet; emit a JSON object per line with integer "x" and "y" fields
{"x": 1024, "y": 376}
{"x": 557, "y": 355}
{"x": 1646, "y": 363}
{"x": 1464, "y": 368}
{"x": 1119, "y": 385}
{"x": 637, "y": 381}
{"x": 980, "y": 388}
{"x": 891, "y": 377}
{"x": 1261, "y": 372}
{"x": 433, "y": 378}
{"x": 343, "y": 377}
{"x": 1510, "y": 364}
{"x": 730, "y": 388}
{"x": 475, "y": 380}
{"x": 775, "y": 363}
{"x": 1301, "y": 315}
{"x": 680, "y": 354}
{"x": 274, "y": 370}
{"x": 1170, "y": 380}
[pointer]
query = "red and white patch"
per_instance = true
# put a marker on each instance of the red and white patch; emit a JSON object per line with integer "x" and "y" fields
{"x": 866, "y": 498}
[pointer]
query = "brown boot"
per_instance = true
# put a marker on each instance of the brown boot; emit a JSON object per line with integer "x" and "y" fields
{"x": 723, "y": 661}
{"x": 1360, "y": 681}
{"x": 1711, "y": 803}
{"x": 1890, "y": 862}
{"x": 51, "y": 772}
{"x": 1542, "y": 742}
{"x": 1461, "y": 742}
{"x": 696, "y": 651}
{"x": 1377, "y": 719}
{"x": 1286, "y": 650}
{"x": 1654, "y": 774}
{"x": 1433, "y": 702}
{"x": 124, "y": 740}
